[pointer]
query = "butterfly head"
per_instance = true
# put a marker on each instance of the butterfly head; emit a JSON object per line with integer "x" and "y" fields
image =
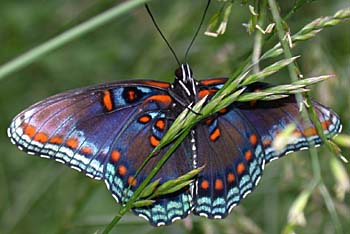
{"x": 184, "y": 81}
{"x": 184, "y": 73}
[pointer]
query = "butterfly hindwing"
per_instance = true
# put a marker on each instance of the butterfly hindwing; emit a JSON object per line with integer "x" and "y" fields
{"x": 234, "y": 159}
{"x": 174, "y": 206}
{"x": 128, "y": 153}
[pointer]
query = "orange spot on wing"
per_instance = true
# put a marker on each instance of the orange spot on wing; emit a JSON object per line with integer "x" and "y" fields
{"x": 160, "y": 124}
{"x": 213, "y": 81}
{"x": 223, "y": 111}
{"x": 144, "y": 119}
{"x": 122, "y": 170}
{"x": 56, "y": 140}
{"x": 204, "y": 184}
{"x": 154, "y": 141}
{"x": 41, "y": 137}
{"x": 215, "y": 135}
{"x": 163, "y": 85}
{"x": 230, "y": 177}
{"x": 253, "y": 139}
{"x": 86, "y": 150}
{"x": 162, "y": 98}
{"x": 131, "y": 95}
{"x": 218, "y": 184}
{"x": 325, "y": 124}
{"x": 29, "y": 130}
{"x": 115, "y": 156}
{"x": 131, "y": 181}
{"x": 240, "y": 168}
{"x": 72, "y": 143}
{"x": 267, "y": 143}
{"x": 310, "y": 131}
{"x": 252, "y": 103}
{"x": 248, "y": 155}
{"x": 297, "y": 133}
{"x": 208, "y": 121}
{"x": 107, "y": 100}
{"x": 205, "y": 92}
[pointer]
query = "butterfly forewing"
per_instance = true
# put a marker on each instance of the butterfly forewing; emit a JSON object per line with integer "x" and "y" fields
{"x": 78, "y": 127}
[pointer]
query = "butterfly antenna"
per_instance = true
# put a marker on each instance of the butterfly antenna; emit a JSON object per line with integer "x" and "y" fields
{"x": 199, "y": 27}
{"x": 162, "y": 35}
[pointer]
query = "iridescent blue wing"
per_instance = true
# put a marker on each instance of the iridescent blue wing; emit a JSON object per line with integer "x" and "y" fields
{"x": 78, "y": 126}
{"x": 235, "y": 144}
{"x": 106, "y": 131}
{"x": 270, "y": 118}
{"x": 234, "y": 158}
{"x": 128, "y": 153}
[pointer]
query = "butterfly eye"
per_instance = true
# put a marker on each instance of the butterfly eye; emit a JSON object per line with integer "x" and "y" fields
{"x": 178, "y": 73}
{"x": 184, "y": 72}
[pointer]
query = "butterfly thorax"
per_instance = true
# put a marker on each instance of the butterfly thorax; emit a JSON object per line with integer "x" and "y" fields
{"x": 184, "y": 89}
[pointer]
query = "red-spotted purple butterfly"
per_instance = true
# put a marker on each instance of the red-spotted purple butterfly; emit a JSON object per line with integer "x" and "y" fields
{"x": 106, "y": 131}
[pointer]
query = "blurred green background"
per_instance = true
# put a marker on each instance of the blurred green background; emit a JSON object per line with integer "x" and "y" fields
{"x": 42, "y": 196}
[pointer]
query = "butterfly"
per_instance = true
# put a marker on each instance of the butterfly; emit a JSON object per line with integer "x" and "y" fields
{"x": 106, "y": 131}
